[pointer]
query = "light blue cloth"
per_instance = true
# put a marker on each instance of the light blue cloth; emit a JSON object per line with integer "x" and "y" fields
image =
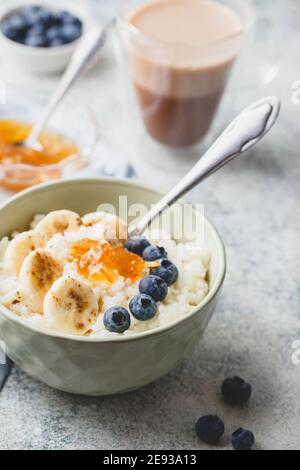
{"x": 106, "y": 163}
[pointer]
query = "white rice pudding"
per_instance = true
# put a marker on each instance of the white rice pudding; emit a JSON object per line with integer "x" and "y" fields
{"x": 54, "y": 276}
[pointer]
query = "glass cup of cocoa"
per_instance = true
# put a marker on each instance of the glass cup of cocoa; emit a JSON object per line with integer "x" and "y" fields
{"x": 180, "y": 54}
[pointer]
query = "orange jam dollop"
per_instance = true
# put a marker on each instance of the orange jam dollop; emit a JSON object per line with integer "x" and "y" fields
{"x": 102, "y": 261}
{"x": 55, "y": 147}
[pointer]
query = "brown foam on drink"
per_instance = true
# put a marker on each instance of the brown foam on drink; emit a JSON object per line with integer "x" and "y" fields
{"x": 181, "y": 53}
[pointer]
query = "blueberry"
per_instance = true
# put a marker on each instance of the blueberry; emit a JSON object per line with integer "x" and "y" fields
{"x": 167, "y": 271}
{"x": 243, "y": 439}
{"x": 18, "y": 22}
{"x": 116, "y": 319}
{"x": 155, "y": 287}
{"x": 236, "y": 391}
{"x": 53, "y": 33}
{"x": 31, "y": 11}
{"x": 9, "y": 31}
{"x": 153, "y": 253}
{"x": 137, "y": 245}
{"x": 210, "y": 429}
{"x": 30, "y": 15}
{"x": 70, "y": 32}
{"x": 14, "y": 27}
{"x": 36, "y": 41}
{"x": 37, "y": 17}
{"x": 143, "y": 307}
{"x": 55, "y": 19}
{"x": 68, "y": 18}
{"x": 43, "y": 17}
{"x": 37, "y": 30}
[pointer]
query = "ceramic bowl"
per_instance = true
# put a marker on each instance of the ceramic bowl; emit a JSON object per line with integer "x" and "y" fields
{"x": 41, "y": 60}
{"x": 102, "y": 366}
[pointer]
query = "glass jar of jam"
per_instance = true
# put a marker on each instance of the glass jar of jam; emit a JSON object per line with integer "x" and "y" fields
{"x": 68, "y": 144}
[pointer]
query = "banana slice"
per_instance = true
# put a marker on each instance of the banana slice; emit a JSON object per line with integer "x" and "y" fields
{"x": 38, "y": 272}
{"x": 58, "y": 222}
{"x": 18, "y": 249}
{"x": 70, "y": 306}
{"x": 110, "y": 226}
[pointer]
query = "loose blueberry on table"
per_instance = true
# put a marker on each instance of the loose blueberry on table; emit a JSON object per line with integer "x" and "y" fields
{"x": 117, "y": 319}
{"x": 210, "y": 429}
{"x": 38, "y": 26}
{"x": 243, "y": 439}
{"x": 236, "y": 391}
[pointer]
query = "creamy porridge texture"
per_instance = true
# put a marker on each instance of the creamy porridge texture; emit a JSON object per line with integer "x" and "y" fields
{"x": 82, "y": 276}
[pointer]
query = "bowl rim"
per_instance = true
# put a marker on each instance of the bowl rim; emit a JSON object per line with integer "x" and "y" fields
{"x": 213, "y": 292}
{"x": 17, "y": 5}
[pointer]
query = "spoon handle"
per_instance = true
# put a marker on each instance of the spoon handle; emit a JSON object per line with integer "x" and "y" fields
{"x": 244, "y": 132}
{"x": 86, "y": 52}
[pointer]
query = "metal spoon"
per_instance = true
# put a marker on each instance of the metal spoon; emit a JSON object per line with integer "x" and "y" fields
{"x": 244, "y": 132}
{"x": 85, "y": 54}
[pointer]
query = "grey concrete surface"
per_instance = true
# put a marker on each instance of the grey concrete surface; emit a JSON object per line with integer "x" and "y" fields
{"x": 255, "y": 204}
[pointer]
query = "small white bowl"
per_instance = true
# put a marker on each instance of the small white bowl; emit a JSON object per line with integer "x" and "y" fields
{"x": 41, "y": 60}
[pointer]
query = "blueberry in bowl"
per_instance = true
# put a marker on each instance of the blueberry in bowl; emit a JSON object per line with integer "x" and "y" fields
{"x": 155, "y": 287}
{"x": 117, "y": 319}
{"x": 154, "y": 253}
{"x": 143, "y": 307}
{"x": 166, "y": 271}
{"x": 137, "y": 245}
{"x": 39, "y": 26}
{"x": 14, "y": 28}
